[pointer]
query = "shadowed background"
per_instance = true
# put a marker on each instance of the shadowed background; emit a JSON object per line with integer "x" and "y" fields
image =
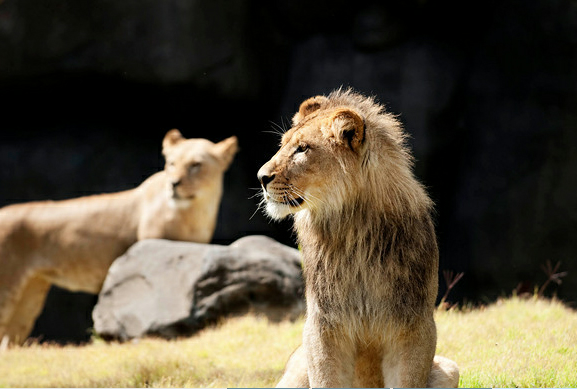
{"x": 487, "y": 91}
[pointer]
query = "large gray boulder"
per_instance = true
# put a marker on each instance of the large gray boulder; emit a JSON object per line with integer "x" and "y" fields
{"x": 170, "y": 289}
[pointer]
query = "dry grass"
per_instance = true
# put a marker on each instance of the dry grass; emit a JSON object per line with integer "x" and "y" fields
{"x": 525, "y": 343}
{"x": 246, "y": 351}
{"x": 513, "y": 343}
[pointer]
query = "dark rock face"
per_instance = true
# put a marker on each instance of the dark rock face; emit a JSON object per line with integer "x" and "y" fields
{"x": 171, "y": 289}
{"x": 149, "y": 41}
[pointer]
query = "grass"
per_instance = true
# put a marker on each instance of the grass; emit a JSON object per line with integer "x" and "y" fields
{"x": 513, "y": 343}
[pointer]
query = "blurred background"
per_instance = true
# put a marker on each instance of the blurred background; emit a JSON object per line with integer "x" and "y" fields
{"x": 487, "y": 91}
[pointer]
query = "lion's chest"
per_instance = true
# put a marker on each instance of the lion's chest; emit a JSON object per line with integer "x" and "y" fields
{"x": 365, "y": 288}
{"x": 349, "y": 291}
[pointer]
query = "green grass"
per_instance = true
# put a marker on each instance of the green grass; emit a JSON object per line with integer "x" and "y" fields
{"x": 513, "y": 343}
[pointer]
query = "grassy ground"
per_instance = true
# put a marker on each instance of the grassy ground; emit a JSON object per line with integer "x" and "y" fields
{"x": 513, "y": 343}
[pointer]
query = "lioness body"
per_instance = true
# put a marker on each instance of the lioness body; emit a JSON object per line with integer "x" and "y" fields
{"x": 370, "y": 256}
{"x": 72, "y": 243}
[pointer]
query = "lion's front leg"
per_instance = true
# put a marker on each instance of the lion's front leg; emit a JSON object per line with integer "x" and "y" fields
{"x": 295, "y": 373}
{"x": 330, "y": 356}
{"x": 408, "y": 364}
{"x": 444, "y": 373}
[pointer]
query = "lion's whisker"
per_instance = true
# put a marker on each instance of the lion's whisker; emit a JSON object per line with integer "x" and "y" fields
{"x": 255, "y": 211}
{"x": 285, "y": 126}
{"x": 301, "y": 194}
{"x": 260, "y": 204}
{"x": 279, "y": 129}
{"x": 259, "y": 193}
{"x": 307, "y": 197}
{"x": 274, "y": 132}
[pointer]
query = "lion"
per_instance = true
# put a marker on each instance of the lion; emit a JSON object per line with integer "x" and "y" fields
{"x": 72, "y": 243}
{"x": 370, "y": 256}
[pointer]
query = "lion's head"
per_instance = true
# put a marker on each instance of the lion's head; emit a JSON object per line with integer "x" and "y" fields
{"x": 194, "y": 166}
{"x": 341, "y": 149}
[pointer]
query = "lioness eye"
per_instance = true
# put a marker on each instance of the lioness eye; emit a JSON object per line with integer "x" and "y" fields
{"x": 193, "y": 168}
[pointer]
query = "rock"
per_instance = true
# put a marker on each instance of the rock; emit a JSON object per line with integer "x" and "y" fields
{"x": 171, "y": 289}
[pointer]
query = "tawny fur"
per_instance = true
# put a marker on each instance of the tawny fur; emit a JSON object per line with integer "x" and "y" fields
{"x": 370, "y": 256}
{"x": 72, "y": 243}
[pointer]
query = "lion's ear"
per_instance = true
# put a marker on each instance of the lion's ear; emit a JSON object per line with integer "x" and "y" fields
{"x": 307, "y": 107}
{"x": 171, "y": 138}
{"x": 226, "y": 149}
{"x": 348, "y": 127}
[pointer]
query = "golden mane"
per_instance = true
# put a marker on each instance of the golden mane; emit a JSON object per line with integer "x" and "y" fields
{"x": 385, "y": 221}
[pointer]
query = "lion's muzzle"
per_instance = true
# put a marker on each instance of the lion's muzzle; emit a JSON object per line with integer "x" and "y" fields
{"x": 264, "y": 178}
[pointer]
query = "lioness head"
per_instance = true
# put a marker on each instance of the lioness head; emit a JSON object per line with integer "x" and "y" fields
{"x": 194, "y": 166}
{"x": 340, "y": 148}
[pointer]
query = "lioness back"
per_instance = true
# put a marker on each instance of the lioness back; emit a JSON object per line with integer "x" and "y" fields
{"x": 60, "y": 239}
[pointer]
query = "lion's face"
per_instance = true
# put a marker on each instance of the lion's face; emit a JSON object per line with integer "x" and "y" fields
{"x": 317, "y": 157}
{"x": 194, "y": 166}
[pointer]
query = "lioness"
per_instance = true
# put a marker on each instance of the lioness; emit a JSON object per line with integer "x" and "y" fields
{"x": 369, "y": 250}
{"x": 72, "y": 243}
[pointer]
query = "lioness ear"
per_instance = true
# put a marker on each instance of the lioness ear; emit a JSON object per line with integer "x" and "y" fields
{"x": 226, "y": 149}
{"x": 348, "y": 127}
{"x": 171, "y": 138}
{"x": 307, "y": 107}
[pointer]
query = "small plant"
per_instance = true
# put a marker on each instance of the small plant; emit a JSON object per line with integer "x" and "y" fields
{"x": 451, "y": 280}
{"x": 552, "y": 276}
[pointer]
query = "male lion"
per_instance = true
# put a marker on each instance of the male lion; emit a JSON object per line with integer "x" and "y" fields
{"x": 369, "y": 250}
{"x": 72, "y": 243}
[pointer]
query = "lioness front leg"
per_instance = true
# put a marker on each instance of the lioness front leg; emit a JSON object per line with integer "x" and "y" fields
{"x": 330, "y": 356}
{"x": 12, "y": 286}
{"x": 27, "y": 309}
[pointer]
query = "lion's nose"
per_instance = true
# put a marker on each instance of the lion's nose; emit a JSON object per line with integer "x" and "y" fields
{"x": 175, "y": 184}
{"x": 264, "y": 178}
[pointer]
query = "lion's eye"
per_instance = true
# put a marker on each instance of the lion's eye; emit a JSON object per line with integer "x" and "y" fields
{"x": 301, "y": 148}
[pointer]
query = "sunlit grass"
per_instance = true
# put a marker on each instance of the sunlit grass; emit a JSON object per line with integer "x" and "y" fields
{"x": 515, "y": 342}
{"x": 246, "y": 351}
